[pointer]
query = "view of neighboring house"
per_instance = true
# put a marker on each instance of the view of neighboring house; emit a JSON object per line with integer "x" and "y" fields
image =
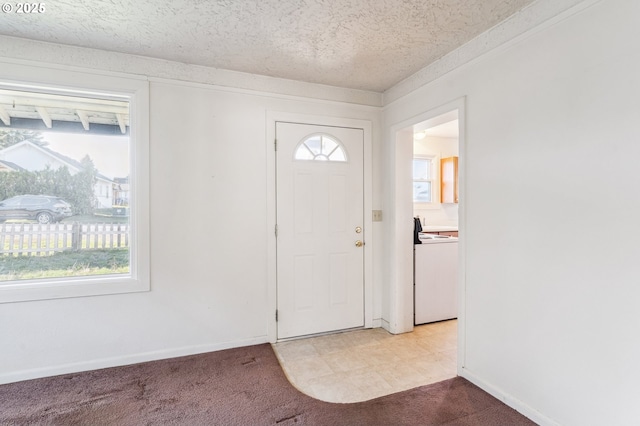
{"x": 27, "y": 155}
{"x": 121, "y": 191}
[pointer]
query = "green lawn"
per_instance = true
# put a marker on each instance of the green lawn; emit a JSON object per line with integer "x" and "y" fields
{"x": 65, "y": 264}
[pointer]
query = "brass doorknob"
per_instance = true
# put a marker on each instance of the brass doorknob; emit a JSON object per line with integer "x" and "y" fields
{"x": 359, "y": 243}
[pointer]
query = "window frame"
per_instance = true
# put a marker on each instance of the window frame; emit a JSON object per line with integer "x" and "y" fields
{"x": 135, "y": 89}
{"x": 432, "y": 179}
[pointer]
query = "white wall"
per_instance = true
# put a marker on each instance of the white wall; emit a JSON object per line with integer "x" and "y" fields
{"x": 550, "y": 206}
{"x": 209, "y": 238}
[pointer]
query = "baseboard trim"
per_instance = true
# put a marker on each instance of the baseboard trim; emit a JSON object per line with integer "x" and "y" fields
{"x": 97, "y": 364}
{"x": 512, "y": 402}
{"x": 385, "y": 324}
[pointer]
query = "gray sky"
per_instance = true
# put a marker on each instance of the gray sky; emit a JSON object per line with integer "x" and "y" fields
{"x": 110, "y": 154}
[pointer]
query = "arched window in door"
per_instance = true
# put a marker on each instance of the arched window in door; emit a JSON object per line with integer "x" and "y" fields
{"x": 320, "y": 147}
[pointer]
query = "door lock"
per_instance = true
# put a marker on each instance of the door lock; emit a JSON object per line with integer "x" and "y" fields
{"x": 358, "y": 230}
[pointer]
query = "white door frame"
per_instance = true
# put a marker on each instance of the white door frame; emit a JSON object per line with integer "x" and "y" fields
{"x": 399, "y": 230}
{"x": 272, "y": 281}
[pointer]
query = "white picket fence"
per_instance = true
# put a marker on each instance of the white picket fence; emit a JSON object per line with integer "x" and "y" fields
{"x": 30, "y": 239}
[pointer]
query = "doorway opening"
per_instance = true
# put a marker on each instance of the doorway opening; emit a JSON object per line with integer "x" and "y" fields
{"x": 435, "y": 200}
{"x": 437, "y": 213}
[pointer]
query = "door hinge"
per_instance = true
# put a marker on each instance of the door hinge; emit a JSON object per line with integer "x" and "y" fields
{"x": 276, "y": 315}
{"x": 276, "y": 231}
{"x": 275, "y": 144}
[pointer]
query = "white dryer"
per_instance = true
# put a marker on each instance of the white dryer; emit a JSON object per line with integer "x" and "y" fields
{"x": 435, "y": 279}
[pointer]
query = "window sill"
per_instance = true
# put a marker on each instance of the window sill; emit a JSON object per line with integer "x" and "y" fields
{"x": 30, "y": 290}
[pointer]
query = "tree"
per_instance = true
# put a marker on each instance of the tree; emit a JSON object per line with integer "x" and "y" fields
{"x": 14, "y": 136}
{"x": 84, "y": 183}
{"x": 77, "y": 189}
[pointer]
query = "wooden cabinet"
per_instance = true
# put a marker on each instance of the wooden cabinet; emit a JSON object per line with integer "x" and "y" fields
{"x": 449, "y": 180}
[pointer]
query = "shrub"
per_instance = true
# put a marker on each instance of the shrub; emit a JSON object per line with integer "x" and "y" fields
{"x": 76, "y": 189}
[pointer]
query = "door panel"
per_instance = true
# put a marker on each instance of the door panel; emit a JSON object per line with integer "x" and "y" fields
{"x": 320, "y": 284}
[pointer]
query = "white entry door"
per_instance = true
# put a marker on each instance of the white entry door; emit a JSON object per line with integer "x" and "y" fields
{"x": 320, "y": 229}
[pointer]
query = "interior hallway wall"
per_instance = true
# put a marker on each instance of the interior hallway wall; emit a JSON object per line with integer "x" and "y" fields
{"x": 551, "y": 207}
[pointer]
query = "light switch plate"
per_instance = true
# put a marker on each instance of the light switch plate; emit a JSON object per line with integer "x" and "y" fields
{"x": 377, "y": 215}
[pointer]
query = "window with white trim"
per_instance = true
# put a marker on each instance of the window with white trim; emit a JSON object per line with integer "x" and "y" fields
{"x": 423, "y": 179}
{"x": 66, "y": 151}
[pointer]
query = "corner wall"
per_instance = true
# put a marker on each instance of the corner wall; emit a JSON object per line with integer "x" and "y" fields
{"x": 550, "y": 207}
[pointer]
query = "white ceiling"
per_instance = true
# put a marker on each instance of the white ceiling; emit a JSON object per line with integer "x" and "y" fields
{"x": 441, "y": 126}
{"x": 445, "y": 130}
{"x": 359, "y": 44}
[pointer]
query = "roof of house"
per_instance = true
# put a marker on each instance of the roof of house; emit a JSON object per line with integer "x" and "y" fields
{"x": 70, "y": 162}
{"x": 63, "y": 113}
{"x": 12, "y": 166}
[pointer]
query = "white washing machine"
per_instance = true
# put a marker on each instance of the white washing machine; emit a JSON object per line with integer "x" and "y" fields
{"x": 435, "y": 279}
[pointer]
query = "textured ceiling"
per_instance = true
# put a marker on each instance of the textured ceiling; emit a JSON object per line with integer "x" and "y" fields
{"x": 359, "y": 44}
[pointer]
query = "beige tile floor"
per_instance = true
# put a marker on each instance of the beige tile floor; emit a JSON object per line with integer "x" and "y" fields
{"x": 364, "y": 364}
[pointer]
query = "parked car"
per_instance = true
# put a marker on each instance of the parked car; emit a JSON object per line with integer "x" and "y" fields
{"x": 42, "y": 208}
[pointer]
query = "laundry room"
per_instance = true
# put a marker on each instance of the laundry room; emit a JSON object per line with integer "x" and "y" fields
{"x": 435, "y": 210}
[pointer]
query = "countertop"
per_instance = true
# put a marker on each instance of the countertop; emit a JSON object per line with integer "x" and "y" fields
{"x": 427, "y": 238}
{"x": 439, "y": 228}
